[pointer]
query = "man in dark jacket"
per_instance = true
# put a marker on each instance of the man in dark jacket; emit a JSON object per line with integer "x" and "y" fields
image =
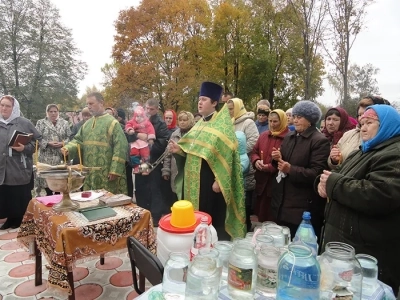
{"x": 148, "y": 192}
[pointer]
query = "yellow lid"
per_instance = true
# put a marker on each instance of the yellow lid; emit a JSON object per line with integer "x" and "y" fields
{"x": 182, "y": 214}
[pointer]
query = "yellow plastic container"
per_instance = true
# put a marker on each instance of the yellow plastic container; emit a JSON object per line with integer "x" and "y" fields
{"x": 182, "y": 214}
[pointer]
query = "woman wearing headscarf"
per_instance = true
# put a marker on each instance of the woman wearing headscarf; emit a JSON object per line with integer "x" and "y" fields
{"x": 351, "y": 140}
{"x": 301, "y": 158}
{"x": 16, "y": 163}
{"x": 55, "y": 134}
{"x": 363, "y": 208}
{"x": 170, "y": 120}
{"x": 169, "y": 169}
{"x": 337, "y": 122}
{"x": 244, "y": 121}
{"x": 261, "y": 160}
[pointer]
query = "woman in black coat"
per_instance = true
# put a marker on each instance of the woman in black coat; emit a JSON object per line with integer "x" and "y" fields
{"x": 301, "y": 158}
{"x": 364, "y": 195}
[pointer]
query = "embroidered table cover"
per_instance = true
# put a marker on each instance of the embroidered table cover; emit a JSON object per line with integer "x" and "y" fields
{"x": 66, "y": 239}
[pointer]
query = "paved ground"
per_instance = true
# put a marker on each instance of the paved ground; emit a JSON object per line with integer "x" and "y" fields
{"x": 110, "y": 281}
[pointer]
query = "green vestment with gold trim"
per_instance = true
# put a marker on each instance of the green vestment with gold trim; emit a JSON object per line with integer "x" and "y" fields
{"x": 214, "y": 141}
{"x": 103, "y": 144}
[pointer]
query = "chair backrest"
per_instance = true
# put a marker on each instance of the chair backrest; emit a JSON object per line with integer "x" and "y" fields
{"x": 146, "y": 262}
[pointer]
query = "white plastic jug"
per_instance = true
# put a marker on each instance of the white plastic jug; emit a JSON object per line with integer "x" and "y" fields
{"x": 173, "y": 239}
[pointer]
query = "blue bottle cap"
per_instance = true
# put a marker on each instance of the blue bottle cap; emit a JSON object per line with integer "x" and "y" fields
{"x": 306, "y": 215}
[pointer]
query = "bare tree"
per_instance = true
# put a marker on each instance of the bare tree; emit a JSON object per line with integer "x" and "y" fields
{"x": 308, "y": 18}
{"x": 38, "y": 62}
{"x": 346, "y": 22}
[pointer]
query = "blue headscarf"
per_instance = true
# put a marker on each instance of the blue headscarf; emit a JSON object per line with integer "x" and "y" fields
{"x": 389, "y": 126}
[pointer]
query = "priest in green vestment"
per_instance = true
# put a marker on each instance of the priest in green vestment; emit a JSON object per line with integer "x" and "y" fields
{"x": 102, "y": 144}
{"x": 209, "y": 170}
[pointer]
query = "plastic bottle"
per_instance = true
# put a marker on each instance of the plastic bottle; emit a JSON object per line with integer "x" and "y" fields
{"x": 305, "y": 234}
{"x": 202, "y": 237}
{"x": 299, "y": 275}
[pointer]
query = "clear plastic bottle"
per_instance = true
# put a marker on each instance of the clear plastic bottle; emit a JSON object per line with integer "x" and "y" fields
{"x": 299, "y": 275}
{"x": 305, "y": 234}
{"x": 242, "y": 271}
{"x": 202, "y": 237}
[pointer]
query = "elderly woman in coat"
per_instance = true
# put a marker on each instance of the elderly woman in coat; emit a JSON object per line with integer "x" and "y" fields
{"x": 16, "y": 163}
{"x": 301, "y": 158}
{"x": 244, "y": 121}
{"x": 363, "y": 207}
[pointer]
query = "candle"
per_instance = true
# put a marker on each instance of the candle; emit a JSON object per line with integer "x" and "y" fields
{"x": 262, "y": 155}
{"x": 80, "y": 157}
{"x": 65, "y": 156}
{"x": 37, "y": 151}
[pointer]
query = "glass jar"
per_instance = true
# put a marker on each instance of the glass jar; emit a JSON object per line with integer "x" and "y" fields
{"x": 202, "y": 280}
{"x": 175, "y": 271}
{"x": 242, "y": 271}
{"x": 340, "y": 270}
{"x": 298, "y": 275}
{"x": 369, "y": 270}
{"x": 267, "y": 272}
{"x": 276, "y": 232}
{"x": 263, "y": 240}
{"x": 215, "y": 255}
{"x": 224, "y": 248}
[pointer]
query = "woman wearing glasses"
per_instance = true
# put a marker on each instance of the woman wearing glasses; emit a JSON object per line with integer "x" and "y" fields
{"x": 351, "y": 140}
{"x": 364, "y": 195}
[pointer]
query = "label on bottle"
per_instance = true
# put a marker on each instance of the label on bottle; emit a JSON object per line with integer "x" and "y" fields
{"x": 193, "y": 252}
{"x": 302, "y": 277}
{"x": 239, "y": 278}
{"x": 267, "y": 277}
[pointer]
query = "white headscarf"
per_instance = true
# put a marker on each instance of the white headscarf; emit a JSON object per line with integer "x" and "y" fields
{"x": 16, "y": 112}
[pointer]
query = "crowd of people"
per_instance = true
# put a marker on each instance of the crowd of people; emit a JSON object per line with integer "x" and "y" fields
{"x": 343, "y": 170}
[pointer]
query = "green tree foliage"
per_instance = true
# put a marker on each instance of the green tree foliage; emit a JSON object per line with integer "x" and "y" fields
{"x": 38, "y": 62}
{"x": 165, "y": 49}
{"x": 158, "y": 51}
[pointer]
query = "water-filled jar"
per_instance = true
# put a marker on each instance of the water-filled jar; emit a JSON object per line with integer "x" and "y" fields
{"x": 174, "y": 278}
{"x": 340, "y": 270}
{"x": 242, "y": 271}
{"x": 298, "y": 275}
{"x": 276, "y": 232}
{"x": 224, "y": 248}
{"x": 263, "y": 240}
{"x": 202, "y": 279}
{"x": 369, "y": 269}
{"x": 267, "y": 271}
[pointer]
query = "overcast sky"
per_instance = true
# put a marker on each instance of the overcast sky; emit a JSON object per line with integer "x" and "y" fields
{"x": 92, "y": 24}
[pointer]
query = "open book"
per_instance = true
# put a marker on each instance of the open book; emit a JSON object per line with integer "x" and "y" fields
{"x": 20, "y": 137}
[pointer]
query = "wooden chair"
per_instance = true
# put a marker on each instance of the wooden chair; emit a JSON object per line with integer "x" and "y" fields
{"x": 147, "y": 263}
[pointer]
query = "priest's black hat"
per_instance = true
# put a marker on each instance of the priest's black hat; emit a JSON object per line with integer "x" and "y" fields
{"x": 211, "y": 90}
